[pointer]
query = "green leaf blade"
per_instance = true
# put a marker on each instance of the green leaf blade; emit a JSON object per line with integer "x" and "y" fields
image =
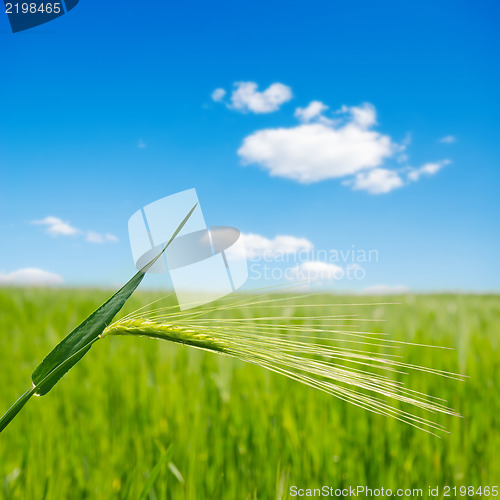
{"x": 60, "y": 370}
{"x": 63, "y": 356}
{"x": 87, "y": 331}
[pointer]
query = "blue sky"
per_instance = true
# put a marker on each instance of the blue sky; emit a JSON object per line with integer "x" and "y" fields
{"x": 82, "y": 93}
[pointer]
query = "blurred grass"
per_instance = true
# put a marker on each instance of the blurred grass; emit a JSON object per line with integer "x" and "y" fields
{"x": 213, "y": 427}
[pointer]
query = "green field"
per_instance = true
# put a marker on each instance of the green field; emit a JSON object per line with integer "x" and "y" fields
{"x": 139, "y": 416}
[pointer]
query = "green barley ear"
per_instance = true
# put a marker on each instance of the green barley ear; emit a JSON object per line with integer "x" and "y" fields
{"x": 166, "y": 331}
{"x": 333, "y": 363}
{"x": 72, "y": 349}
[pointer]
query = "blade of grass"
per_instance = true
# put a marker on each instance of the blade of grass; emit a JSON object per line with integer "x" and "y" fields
{"x": 155, "y": 473}
{"x": 93, "y": 326}
{"x": 15, "y": 408}
{"x": 84, "y": 333}
{"x": 75, "y": 345}
{"x": 49, "y": 381}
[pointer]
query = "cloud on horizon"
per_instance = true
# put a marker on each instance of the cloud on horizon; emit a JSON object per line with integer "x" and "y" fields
{"x": 316, "y": 270}
{"x": 54, "y": 226}
{"x": 94, "y": 237}
{"x": 30, "y": 276}
{"x": 257, "y": 245}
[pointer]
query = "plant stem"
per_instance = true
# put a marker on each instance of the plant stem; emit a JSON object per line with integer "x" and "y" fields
{"x": 15, "y": 408}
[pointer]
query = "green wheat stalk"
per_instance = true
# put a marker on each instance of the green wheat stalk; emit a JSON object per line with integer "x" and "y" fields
{"x": 72, "y": 348}
{"x": 316, "y": 356}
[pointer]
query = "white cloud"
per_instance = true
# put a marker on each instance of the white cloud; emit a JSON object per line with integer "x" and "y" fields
{"x": 384, "y": 290}
{"x": 382, "y": 180}
{"x": 246, "y": 97}
{"x": 407, "y": 139}
{"x": 317, "y": 151}
{"x": 218, "y": 95}
{"x": 56, "y": 226}
{"x": 427, "y": 170}
{"x": 111, "y": 237}
{"x": 345, "y": 145}
{"x": 94, "y": 237}
{"x": 364, "y": 116}
{"x": 30, "y": 276}
{"x": 448, "y": 139}
{"x": 376, "y": 181}
{"x": 310, "y": 112}
{"x": 257, "y": 245}
{"x": 316, "y": 270}
{"x": 141, "y": 144}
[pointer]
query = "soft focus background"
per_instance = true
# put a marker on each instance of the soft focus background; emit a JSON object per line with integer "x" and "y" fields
{"x": 235, "y": 430}
{"x": 314, "y": 128}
